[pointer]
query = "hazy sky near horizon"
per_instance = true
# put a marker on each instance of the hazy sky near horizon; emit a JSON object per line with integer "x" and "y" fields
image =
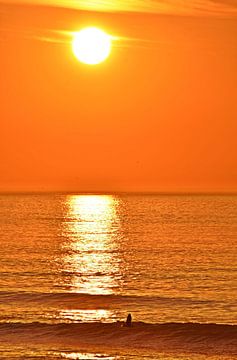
{"x": 159, "y": 115}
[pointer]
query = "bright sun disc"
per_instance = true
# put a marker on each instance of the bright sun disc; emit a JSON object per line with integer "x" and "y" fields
{"x": 91, "y": 45}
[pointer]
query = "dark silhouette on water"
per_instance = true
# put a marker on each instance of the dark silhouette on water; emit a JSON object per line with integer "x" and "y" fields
{"x": 129, "y": 320}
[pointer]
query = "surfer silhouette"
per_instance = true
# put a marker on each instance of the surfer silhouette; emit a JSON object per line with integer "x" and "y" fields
{"x": 129, "y": 321}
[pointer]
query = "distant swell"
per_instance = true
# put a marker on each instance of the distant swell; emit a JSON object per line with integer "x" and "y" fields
{"x": 193, "y": 337}
{"x": 73, "y": 298}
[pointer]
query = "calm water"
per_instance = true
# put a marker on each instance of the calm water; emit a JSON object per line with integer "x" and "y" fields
{"x": 71, "y": 266}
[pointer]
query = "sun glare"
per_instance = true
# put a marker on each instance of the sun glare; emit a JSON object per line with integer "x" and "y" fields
{"x": 91, "y": 45}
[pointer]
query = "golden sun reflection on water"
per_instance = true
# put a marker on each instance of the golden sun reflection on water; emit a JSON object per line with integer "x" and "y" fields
{"x": 76, "y": 315}
{"x": 91, "y": 260}
{"x": 86, "y": 356}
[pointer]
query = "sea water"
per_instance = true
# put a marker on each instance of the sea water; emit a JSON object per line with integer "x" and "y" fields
{"x": 73, "y": 266}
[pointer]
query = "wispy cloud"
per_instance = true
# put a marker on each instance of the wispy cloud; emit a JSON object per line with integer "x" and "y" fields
{"x": 52, "y": 36}
{"x": 40, "y": 34}
{"x": 202, "y": 7}
{"x": 65, "y": 37}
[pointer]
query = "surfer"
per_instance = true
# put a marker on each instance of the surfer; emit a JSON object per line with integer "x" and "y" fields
{"x": 129, "y": 321}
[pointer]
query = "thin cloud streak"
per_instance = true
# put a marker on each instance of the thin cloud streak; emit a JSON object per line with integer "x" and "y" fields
{"x": 45, "y": 35}
{"x": 66, "y": 36}
{"x": 182, "y": 7}
{"x": 54, "y": 36}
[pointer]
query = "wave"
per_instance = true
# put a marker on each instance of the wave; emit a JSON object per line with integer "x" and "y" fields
{"x": 73, "y": 298}
{"x": 195, "y": 337}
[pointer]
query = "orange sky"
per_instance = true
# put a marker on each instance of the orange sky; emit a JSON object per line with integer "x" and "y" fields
{"x": 159, "y": 115}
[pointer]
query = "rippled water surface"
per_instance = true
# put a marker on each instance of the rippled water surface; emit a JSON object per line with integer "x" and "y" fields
{"x": 67, "y": 259}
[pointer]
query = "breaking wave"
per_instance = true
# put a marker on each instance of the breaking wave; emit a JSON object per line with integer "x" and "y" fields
{"x": 195, "y": 337}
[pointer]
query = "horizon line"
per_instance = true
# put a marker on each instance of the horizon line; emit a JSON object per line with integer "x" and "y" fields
{"x": 101, "y": 193}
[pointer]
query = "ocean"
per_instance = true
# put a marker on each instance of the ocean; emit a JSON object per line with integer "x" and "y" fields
{"x": 73, "y": 266}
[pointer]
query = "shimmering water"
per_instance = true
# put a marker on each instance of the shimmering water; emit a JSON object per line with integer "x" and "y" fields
{"x": 74, "y": 260}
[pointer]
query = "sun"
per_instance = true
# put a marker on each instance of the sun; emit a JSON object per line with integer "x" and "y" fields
{"x": 91, "y": 45}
